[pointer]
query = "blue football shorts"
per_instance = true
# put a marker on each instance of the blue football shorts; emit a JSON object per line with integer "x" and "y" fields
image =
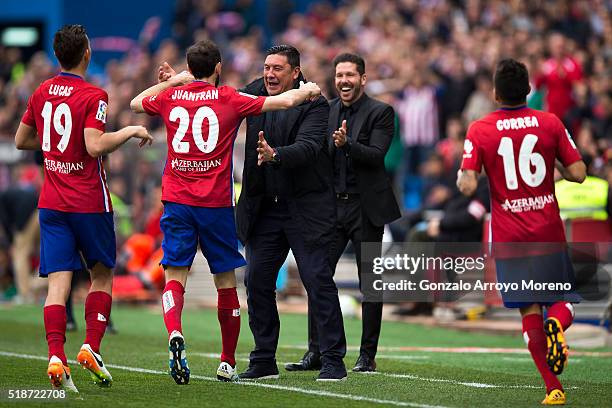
{"x": 64, "y": 234}
{"x": 541, "y": 279}
{"x": 184, "y": 226}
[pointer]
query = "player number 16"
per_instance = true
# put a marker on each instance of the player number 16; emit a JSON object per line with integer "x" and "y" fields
{"x": 527, "y": 158}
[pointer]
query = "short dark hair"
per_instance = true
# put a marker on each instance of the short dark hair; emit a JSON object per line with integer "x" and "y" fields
{"x": 289, "y": 51}
{"x": 354, "y": 58}
{"x": 511, "y": 82}
{"x": 202, "y": 57}
{"x": 69, "y": 44}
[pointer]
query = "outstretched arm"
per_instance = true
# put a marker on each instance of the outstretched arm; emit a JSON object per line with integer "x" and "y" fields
{"x": 98, "y": 143}
{"x": 292, "y": 97}
{"x": 286, "y": 100}
{"x": 176, "y": 80}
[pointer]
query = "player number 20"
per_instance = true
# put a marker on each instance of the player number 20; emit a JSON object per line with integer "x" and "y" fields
{"x": 61, "y": 112}
{"x": 182, "y": 115}
{"x": 527, "y": 158}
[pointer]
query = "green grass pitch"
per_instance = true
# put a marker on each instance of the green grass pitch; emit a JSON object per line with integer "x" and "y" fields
{"x": 137, "y": 359}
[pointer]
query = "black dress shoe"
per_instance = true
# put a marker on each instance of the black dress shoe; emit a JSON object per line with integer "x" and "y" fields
{"x": 260, "y": 372}
{"x": 310, "y": 361}
{"x": 332, "y": 372}
{"x": 364, "y": 364}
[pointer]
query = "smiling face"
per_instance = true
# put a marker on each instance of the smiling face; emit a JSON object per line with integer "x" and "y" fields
{"x": 278, "y": 74}
{"x": 349, "y": 83}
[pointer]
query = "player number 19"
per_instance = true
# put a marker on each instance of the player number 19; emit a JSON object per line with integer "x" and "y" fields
{"x": 182, "y": 115}
{"x": 527, "y": 158}
{"x": 61, "y": 112}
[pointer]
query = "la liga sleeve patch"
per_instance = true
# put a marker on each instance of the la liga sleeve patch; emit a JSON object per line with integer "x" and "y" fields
{"x": 101, "y": 114}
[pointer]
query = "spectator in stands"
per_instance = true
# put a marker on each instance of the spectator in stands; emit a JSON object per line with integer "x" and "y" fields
{"x": 460, "y": 220}
{"x": 456, "y": 88}
{"x": 559, "y": 75}
{"x": 481, "y": 100}
{"x": 602, "y": 120}
{"x": 418, "y": 112}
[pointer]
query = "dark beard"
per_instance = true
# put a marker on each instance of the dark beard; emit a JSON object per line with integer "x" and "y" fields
{"x": 217, "y": 80}
{"x": 356, "y": 91}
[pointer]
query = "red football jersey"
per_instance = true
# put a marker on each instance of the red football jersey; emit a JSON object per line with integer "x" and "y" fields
{"x": 60, "y": 109}
{"x": 559, "y": 78}
{"x": 518, "y": 148}
{"x": 201, "y": 124}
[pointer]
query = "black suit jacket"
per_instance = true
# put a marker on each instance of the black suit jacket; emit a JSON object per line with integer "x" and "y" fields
{"x": 371, "y": 134}
{"x": 460, "y": 225}
{"x": 306, "y": 170}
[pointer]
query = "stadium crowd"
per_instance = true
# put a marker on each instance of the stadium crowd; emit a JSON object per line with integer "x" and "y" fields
{"x": 431, "y": 59}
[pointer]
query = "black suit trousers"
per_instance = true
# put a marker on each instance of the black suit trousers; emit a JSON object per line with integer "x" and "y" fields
{"x": 273, "y": 235}
{"x": 353, "y": 226}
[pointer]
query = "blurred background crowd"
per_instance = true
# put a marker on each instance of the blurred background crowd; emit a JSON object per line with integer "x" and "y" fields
{"x": 432, "y": 60}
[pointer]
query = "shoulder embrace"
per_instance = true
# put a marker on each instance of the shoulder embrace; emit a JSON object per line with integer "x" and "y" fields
{"x": 255, "y": 87}
{"x": 320, "y": 101}
{"x": 318, "y": 105}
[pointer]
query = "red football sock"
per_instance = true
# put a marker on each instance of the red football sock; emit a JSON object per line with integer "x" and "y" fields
{"x": 97, "y": 312}
{"x": 562, "y": 311}
{"x": 228, "y": 312}
{"x": 533, "y": 332}
{"x": 55, "y": 327}
{"x": 172, "y": 303}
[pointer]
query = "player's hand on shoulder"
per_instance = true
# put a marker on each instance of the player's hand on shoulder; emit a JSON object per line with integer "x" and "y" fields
{"x": 140, "y": 132}
{"x": 165, "y": 72}
{"x": 183, "y": 78}
{"x": 311, "y": 87}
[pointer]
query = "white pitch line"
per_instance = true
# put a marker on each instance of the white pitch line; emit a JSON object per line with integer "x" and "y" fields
{"x": 454, "y": 382}
{"x": 379, "y": 356}
{"x": 408, "y": 376}
{"x": 529, "y": 360}
{"x": 460, "y": 350}
{"x": 317, "y": 392}
{"x": 244, "y": 358}
{"x": 400, "y": 357}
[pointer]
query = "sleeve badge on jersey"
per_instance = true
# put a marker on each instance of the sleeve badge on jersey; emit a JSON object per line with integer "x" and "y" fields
{"x": 467, "y": 147}
{"x": 247, "y": 95}
{"x": 101, "y": 114}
